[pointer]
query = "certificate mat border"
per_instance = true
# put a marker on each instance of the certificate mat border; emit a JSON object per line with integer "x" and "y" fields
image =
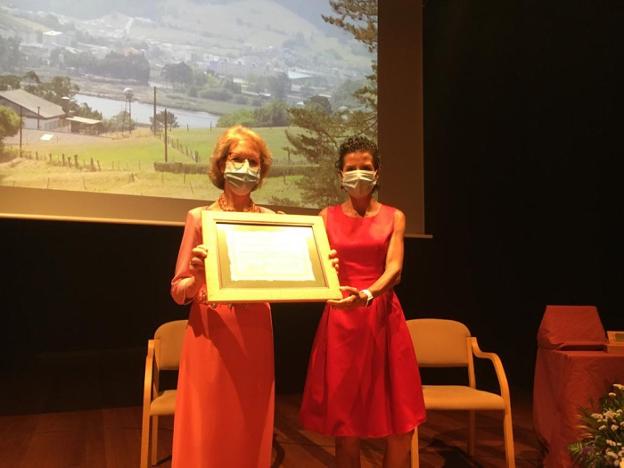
{"x": 218, "y": 293}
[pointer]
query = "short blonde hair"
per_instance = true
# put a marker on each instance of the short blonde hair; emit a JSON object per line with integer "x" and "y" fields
{"x": 225, "y": 142}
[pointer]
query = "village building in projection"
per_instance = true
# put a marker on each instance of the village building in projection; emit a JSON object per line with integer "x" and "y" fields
{"x": 40, "y": 114}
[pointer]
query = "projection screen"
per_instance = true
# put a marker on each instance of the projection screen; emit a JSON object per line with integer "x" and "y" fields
{"x": 121, "y": 103}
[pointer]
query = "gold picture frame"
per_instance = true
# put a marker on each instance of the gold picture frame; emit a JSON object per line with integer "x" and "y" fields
{"x": 267, "y": 257}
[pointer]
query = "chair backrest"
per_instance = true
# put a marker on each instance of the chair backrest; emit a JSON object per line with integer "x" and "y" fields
{"x": 568, "y": 326}
{"x": 439, "y": 342}
{"x": 170, "y": 336}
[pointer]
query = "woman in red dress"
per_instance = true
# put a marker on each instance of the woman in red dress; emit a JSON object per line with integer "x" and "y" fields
{"x": 363, "y": 378}
{"x": 225, "y": 399}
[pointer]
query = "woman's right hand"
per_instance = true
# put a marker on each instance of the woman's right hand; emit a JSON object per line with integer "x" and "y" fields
{"x": 198, "y": 256}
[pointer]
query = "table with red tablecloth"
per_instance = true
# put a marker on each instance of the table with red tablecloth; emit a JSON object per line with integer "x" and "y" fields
{"x": 565, "y": 381}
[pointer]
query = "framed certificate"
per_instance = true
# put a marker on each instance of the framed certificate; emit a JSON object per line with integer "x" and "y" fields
{"x": 266, "y": 257}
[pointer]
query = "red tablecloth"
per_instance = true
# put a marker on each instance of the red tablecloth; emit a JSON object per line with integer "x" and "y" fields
{"x": 564, "y": 382}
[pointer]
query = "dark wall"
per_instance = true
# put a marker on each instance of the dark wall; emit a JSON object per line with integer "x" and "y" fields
{"x": 522, "y": 148}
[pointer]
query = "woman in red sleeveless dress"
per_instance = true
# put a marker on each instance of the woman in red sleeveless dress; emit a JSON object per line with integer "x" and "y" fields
{"x": 363, "y": 378}
{"x": 225, "y": 399}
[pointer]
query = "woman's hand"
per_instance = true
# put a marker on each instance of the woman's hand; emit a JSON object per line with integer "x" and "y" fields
{"x": 353, "y": 299}
{"x": 198, "y": 256}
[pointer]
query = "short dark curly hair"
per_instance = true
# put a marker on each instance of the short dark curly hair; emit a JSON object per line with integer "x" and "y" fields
{"x": 358, "y": 143}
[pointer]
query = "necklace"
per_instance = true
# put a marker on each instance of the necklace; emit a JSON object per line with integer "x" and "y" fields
{"x": 222, "y": 202}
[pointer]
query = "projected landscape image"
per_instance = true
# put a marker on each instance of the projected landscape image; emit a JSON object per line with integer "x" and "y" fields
{"x": 130, "y": 97}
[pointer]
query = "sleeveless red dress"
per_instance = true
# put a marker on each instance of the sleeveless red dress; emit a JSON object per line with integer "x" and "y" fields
{"x": 363, "y": 377}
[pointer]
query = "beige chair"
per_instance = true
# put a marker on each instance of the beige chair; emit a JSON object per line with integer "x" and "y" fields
{"x": 447, "y": 343}
{"x": 163, "y": 353}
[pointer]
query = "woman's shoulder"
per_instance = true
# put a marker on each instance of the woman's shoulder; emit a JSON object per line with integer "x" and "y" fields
{"x": 333, "y": 208}
{"x": 197, "y": 211}
{"x": 194, "y": 214}
{"x": 391, "y": 209}
{"x": 392, "y": 214}
{"x": 327, "y": 209}
{"x": 331, "y": 211}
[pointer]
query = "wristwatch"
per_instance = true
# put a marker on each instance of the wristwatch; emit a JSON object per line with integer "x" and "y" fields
{"x": 369, "y": 296}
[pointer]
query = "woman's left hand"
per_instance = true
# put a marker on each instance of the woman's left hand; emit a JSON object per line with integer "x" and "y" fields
{"x": 353, "y": 299}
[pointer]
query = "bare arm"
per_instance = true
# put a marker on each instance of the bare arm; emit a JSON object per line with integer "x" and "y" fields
{"x": 394, "y": 258}
{"x": 392, "y": 272}
{"x": 189, "y": 273}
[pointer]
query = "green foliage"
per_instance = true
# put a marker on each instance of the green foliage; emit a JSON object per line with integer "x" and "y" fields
{"x": 134, "y": 66}
{"x": 32, "y": 76}
{"x": 357, "y": 17}
{"x": 178, "y": 73}
{"x": 231, "y": 86}
{"x": 9, "y": 82}
{"x": 172, "y": 120}
{"x": 344, "y": 95}
{"x": 114, "y": 65}
{"x": 240, "y": 117}
{"x": 321, "y": 129}
{"x": 9, "y": 123}
{"x": 602, "y": 441}
{"x": 119, "y": 123}
{"x": 360, "y": 19}
{"x": 319, "y": 102}
{"x": 317, "y": 138}
{"x": 278, "y": 86}
{"x": 83, "y": 61}
{"x": 272, "y": 114}
{"x": 54, "y": 90}
{"x": 218, "y": 94}
{"x": 84, "y": 110}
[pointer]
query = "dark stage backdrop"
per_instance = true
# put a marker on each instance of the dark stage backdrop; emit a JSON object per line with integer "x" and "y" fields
{"x": 523, "y": 196}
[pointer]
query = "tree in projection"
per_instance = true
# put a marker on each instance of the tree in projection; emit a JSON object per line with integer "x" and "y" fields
{"x": 172, "y": 120}
{"x": 318, "y": 128}
{"x": 178, "y": 73}
{"x": 9, "y": 124}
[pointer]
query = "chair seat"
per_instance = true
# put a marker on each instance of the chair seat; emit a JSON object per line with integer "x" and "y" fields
{"x": 163, "y": 404}
{"x": 460, "y": 397}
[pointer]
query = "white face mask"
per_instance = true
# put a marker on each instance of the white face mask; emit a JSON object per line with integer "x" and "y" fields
{"x": 359, "y": 183}
{"x": 241, "y": 177}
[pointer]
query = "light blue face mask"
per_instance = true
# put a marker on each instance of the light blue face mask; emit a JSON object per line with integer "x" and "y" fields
{"x": 359, "y": 183}
{"x": 241, "y": 177}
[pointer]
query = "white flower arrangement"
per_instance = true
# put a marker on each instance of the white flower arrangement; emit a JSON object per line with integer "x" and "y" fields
{"x": 602, "y": 441}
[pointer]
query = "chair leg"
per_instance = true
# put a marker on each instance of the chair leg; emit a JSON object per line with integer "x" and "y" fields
{"x": 145, "y": 439}
{"x": 154, "y": 444}
{"x": 509, "y": 440}
{"x": 414, "y": 450}
{"x": 471, "y": 433}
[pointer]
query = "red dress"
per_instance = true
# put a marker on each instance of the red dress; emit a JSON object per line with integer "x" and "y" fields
{"x": 363, "y": 377}
{"x": 225, "y": 399}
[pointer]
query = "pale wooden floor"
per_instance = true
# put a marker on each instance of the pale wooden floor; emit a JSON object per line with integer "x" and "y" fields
{"x": 110, "y": 438}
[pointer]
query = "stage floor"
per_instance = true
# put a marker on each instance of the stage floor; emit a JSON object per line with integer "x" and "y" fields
{"x": 110, "y": 438}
